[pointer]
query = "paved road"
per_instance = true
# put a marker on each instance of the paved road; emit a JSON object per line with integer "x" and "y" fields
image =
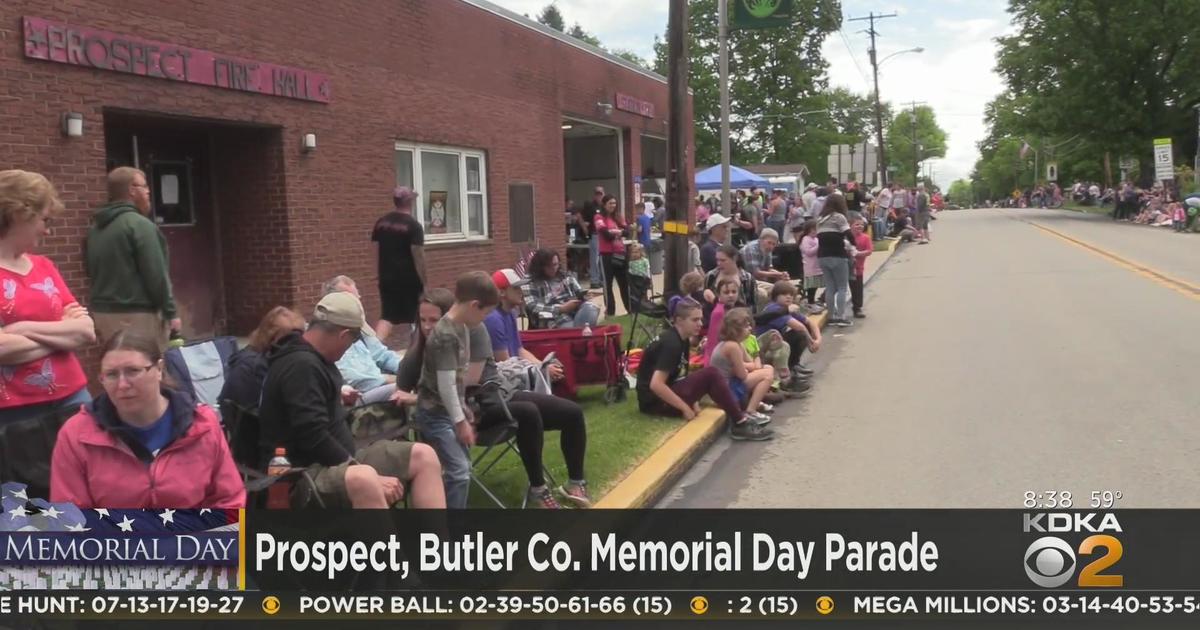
{"x": 996, "y": 360}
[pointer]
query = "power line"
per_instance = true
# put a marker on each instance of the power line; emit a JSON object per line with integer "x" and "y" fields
{"x": 853, "y": 58}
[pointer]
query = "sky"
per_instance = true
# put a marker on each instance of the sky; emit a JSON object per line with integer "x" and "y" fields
{"x": 955, "y": 75}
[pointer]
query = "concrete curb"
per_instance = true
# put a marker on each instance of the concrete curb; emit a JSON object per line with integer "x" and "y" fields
{"x": 646, "y": 484}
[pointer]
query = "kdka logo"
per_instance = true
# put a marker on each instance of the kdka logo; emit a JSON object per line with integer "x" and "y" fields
{"x": 762, "y": 13}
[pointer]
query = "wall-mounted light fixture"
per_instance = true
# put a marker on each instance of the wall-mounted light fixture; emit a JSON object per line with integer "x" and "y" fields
{"x": 605, "y": 108}
{"x": 309, "y": 143}
{"x": 567, "y": 126}
{"x": 72, "y": 125}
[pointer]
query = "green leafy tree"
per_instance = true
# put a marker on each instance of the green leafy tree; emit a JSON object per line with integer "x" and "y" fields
{"x": 1117, "y": 73}
{"x": 772, "y": 73}
{"x": 960, "y": 192}
{"x": 552, "y": 17}
{"x": 577, "y": 32}
{"x": 913, "y": 137}
{"x": 632, "y": 57}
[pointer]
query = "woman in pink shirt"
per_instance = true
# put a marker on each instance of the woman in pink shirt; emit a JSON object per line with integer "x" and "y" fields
{"x": 611, "y": 230}
{"x": 41, "y": 323}
{"x": 862, "y": 243}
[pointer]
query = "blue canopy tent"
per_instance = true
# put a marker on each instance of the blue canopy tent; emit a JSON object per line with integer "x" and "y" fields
{"x": 710, "y": 179}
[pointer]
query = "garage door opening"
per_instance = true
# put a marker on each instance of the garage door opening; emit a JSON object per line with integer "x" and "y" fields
{"x": 591, "y": 158}
{"x": 654, "y": 167}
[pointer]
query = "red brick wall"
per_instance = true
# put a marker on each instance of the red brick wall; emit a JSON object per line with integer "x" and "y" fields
{"x": 442, "y": 72}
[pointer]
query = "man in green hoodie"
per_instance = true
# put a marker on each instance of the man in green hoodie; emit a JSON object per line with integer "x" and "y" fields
{"x": 126, "y": 260}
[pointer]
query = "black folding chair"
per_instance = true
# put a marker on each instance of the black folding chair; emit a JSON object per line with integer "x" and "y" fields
{"x": 648, "y": 308}
{"x": 242, "y": 431}
{"x": 501, "y": 437}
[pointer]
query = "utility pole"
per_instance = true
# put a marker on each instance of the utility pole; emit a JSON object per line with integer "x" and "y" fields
{"x": 723, "y": 70}
{"x": 678, "y": 186}
{"x": 878, "y": 106}
{"x": 916, "y": 149}
{"x": 1196, "y": 164}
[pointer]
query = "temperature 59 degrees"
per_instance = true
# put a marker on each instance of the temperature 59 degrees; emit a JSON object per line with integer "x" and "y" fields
{"x": 1104, "y": 499}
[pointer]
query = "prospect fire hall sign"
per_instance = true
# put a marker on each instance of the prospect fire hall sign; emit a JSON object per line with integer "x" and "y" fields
{"x": 60, "y": 42}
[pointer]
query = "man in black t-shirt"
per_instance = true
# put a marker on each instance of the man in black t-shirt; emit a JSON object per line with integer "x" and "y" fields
{"x": 401, "y": 265}
{"x": 660, "y": 391}
{"x": 590, "y": 210}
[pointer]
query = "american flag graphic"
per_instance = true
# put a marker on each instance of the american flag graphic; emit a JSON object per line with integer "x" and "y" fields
{"x": 24, "y": 514}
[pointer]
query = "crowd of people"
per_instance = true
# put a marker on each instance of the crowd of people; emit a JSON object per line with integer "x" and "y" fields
{"x": 737, "y": 334}
{"x": 1157, "y": 205}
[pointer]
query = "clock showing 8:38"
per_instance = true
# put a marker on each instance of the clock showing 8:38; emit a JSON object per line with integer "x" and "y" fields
{"x": 1064, "y": 499}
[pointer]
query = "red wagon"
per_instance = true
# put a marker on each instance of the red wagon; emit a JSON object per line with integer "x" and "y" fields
{"x": 586, "y": 360}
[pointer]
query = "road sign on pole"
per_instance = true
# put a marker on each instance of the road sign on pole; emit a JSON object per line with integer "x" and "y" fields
{"x": 1164, "y": 163}
{"x": 761, "y": 13}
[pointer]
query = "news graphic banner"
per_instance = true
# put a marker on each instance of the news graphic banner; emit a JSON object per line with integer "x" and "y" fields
{"x": 733, "y": 565}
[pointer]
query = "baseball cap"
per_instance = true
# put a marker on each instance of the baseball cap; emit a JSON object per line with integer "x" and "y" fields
{"x": 343, "y": 309}
{"x": 506, "y": 278}
{"x": 810, "y": 186}
{"x": 401, "y": 194}
{"x": 714, "y": 220}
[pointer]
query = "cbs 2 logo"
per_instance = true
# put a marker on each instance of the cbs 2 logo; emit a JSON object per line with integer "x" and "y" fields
{"x": 1050, "y": 562}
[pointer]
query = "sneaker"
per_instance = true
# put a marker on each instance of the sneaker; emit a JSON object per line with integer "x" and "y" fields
{"x": 542, "y": 500}
{"x": 750, "y": 431}
{"x": 576, "y": 494}
{"x": 797, "y": 386}
{"x": 761, "y": 419}
{"x": 803, "y": 371}
{"x": 774, "y": 398}
{"x": 842, "y": 323}
{"x": 859, "y": 315}
{"x": 765, "y": 408}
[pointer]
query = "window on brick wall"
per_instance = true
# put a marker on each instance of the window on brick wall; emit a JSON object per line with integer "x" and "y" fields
{"x": 451, "y": 185}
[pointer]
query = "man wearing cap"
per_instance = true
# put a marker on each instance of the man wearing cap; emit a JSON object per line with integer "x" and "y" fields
{"x": 534, "y": 412}
{"x": 401, "y": 264}
{"x": 718, "y": 235}
{"x": 302, "y": 412}
{"x": 809, "y": 199}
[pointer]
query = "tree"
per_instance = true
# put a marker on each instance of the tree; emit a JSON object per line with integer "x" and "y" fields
{"x": 632, "y": 57}
{"x": 552, "y": 17}
{"x": 906, "y": 149}
{"x": 578, "y": 33}
{"x": 772, "y": 73}
{"x": 960, "y": 193}
{"x": 1117, "y": 73}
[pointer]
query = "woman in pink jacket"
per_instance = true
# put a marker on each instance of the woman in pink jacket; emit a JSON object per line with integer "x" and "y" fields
{"x": 141, "y": 444}
{"x": 813, "y": 278}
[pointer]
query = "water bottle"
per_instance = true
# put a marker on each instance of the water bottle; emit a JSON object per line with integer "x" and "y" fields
{"x": 279, "y": 493}
{"x": 587, "y": 330}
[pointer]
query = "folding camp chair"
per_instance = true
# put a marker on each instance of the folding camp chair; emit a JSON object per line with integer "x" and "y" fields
{"x": 502, "y": 436}
{"x": 649, "y": 309}
{"x": 199, "y": 367}
{"x": 242, "y": 431}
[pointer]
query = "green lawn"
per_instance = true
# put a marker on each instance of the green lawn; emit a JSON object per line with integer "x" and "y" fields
{"x": 619, "y": 438}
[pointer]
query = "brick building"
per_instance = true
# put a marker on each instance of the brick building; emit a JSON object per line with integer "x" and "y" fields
{"x": 496, "y": 117}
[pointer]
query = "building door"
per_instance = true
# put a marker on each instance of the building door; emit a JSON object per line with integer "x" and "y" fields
{"x": 176, "y": 156}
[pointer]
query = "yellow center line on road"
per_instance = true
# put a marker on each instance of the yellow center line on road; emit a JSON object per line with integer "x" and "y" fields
{"x": 1175, "y": 284}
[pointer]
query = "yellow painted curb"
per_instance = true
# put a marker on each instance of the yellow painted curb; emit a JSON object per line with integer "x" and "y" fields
{"x": 666, "y": 464}
{"x": 670, "y": 461}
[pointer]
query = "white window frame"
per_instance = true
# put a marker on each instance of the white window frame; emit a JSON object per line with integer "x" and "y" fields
{"x": 415, "y": 150}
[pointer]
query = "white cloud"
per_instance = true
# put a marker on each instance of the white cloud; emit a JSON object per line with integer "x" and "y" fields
{"x": 955, "y": 75}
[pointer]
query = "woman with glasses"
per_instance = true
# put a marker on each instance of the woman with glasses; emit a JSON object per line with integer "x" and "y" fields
{"x": 142, "y": 444}
{"x": 41, "y": 323}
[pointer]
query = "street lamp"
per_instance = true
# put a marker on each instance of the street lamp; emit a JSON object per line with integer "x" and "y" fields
{"x": 875, "y": 63}
{"x": 917, "y": 50}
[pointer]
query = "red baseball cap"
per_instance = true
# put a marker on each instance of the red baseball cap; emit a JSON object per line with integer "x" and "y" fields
{"x": 508, "y": 278}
